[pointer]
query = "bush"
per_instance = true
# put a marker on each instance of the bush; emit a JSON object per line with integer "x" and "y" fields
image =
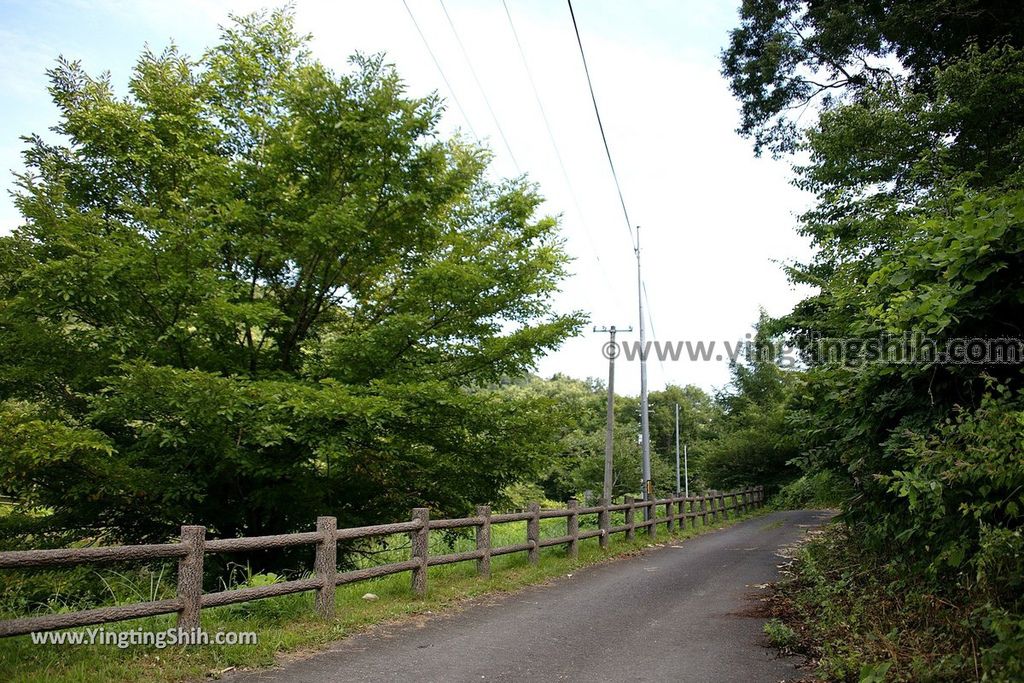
{"x": 818, "y": 489}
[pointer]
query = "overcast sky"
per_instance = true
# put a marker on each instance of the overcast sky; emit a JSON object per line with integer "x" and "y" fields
{"x": 716, "y": 223}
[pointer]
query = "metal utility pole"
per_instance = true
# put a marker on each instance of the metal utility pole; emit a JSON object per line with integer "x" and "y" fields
{"x": 611, "y": 351}
{"x": 677, "y": 449}
{"x": 645, "y": 431}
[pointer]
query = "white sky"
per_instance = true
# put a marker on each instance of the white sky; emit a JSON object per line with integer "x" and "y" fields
{"x": 716, "y": 222}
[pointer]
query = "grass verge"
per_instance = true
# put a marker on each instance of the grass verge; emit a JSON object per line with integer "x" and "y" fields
{"x": 288, "y": 625}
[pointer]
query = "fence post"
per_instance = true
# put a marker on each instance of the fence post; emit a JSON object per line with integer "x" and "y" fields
{"x": 483, "y": 541}
{"x": 420, "y": 550}
{"x": 693, "y": 513}
{"x": 652, "y": 528}
{"x": 604, "y": 521}
{"x": 572, "y": 528}
{"x": 670, "y": 513}
{"x": 533, "y": 533}
{"x": 190, "y": 577}
{"x": 325, "y": 565}
{"x": 760, "y": 496}
{"x": 704, "y": 510}
{"x": 630, "y": 520}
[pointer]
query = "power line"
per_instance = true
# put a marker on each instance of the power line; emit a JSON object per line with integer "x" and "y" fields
{"x": 600, "y": 125}
{"x": 543, "y": 114}
{"x": 439, "y": 69}
{"x": 483, "y": 92}
{"x": 558, "y": 153}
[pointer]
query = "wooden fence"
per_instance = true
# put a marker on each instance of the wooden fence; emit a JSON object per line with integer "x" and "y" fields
{"x": 194, "y": 545}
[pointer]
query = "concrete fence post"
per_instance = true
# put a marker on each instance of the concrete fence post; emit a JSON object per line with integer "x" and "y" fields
{"x": 572, "y": 528}
{"x": 325, "y": 564}
{"x": 604, "y": 521}
{"x": 483, "y": 541}
{"x": 533, "y": 533}
{"x": 652, "y": 511}
{"x": 630, "y": 520}
{"x": 420, "y": 550}
{"x": 190, "y": 577}
{"x": 670, "y": 513}
{"x": 704, "y": 510}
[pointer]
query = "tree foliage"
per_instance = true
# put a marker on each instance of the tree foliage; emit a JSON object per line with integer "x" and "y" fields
{"x": 253, "y": 290}
{"x": 915, "y": 163}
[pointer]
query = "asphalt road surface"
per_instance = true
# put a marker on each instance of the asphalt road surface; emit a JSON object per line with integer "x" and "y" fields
{"x": 670, "y": 614}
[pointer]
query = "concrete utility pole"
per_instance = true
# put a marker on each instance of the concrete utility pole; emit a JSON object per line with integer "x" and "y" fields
{"x": 645, "y": 430}
{"x": 677, "y": 449}
{"x": 686, "y": 472}
{"x": 609, "y": 436}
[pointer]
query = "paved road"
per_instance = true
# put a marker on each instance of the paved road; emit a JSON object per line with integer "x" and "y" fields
{"x": 669, "y": 614}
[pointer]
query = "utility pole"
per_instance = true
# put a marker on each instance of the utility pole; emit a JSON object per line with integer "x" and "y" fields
{"x": 611, "y": 351}
{"x": 645, "y": 431}
{"x": 677, "y": 450}
{"x": 686, "y": 472}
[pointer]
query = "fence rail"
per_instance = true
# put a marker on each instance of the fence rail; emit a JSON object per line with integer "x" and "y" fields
{"x": 193, "y": 546}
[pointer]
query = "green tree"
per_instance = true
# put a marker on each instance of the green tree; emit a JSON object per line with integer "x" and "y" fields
{"x": 915, "y": 164}
{"x": 753, "y": 439}
{"x": 254, "y": 290}
{"x": 576, "y": 413}
{"x": 792, "y": 55}
{"x": 697, "y": 414}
